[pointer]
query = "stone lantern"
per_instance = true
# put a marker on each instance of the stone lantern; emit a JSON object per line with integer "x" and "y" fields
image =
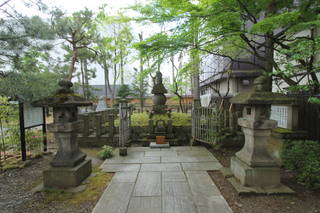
{"x": 253, "y": 165}
{"x": 69, "y": 167}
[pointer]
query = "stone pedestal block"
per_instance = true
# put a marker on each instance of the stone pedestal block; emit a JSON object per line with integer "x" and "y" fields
{"x": 267, "y": 176}
{"x": 65, "y": 177}
{"x": 255, "y": 152}
{"x": 123, "y": 151}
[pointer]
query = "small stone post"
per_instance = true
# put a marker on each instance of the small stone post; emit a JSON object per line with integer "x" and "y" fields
{"x": 123, "y": 116}
{"x": 253, "y": 165}
{"x": 69, "y": 166}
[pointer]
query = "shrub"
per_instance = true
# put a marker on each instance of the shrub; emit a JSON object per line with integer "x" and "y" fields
{"x": 178, "y": 119}
{"x": 106, "y": 152}
{"x": 303, "y": 157}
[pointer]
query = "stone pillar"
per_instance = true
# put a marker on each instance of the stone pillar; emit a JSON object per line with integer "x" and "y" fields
{"x": 86, "y": 126}
{"x": 111, "y": 125}
{"x": 98, "y": 125}
{"x": 196, "y": 104}
{"x": 123, "y": 116}
{"x": 292, "y": 122}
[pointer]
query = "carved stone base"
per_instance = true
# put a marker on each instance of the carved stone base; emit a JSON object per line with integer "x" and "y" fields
{"x": 65, "y": 177}
{"x": 255, "y": 176}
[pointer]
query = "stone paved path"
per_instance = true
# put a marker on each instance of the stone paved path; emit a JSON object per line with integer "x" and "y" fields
{"x": 162, "y": 181}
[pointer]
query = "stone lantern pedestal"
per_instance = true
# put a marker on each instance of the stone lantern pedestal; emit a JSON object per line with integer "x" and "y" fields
{"x": 69, "y": 167}
{"x": 253, "y": 167}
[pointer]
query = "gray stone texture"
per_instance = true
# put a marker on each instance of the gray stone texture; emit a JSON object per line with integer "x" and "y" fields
{"x": 181, "y": 186}
{"x": 148, "y": 184}
{"x": 115, "y": 199}
{"x": 57, "y": 177}
{"x": 145, "y": 205}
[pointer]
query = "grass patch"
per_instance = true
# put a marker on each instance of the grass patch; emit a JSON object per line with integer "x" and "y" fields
{"x": 96, "y": 185}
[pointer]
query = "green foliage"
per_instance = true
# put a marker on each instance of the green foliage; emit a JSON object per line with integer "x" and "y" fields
{"x": 106, "y": 152}
{"x": 303, "y": 157}
{"x": 124, "y": 91}
{"x": 178, "y": 119}
{"x": 314, "y": 100}
{"x": 235, "y": 30}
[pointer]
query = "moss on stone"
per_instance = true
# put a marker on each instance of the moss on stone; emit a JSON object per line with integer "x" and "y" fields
{"x": 282, "y": 130}
{"x": 253, "y": 97}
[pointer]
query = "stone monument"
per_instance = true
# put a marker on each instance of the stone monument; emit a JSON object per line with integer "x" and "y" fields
{"x": 69, "y": 167}
{"x": 159, "y": 99}
{"x": 160, "y": 130}
{"x": 253, "y": 165}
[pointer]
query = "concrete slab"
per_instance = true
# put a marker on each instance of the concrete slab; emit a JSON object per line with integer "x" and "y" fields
{"x": 179, "y": 184}
{"x": 201, "y": 184}
{"x": 128, "y": 160}
{"x": 115, "y": 199}
{"x": 212, "y": 204}
{"x": 194, "y": 153}
{"x": 130, "y": 153}
{"x": 160, "y": 167}
{"x": 160, "y": 153}
{"x": 145, "y": 205}
{"x": 178, "y": 204}
{"x": 128, "y": 177}
{"x": 198, "y": 148}
{"x": 148, "y": 184}
{"x": 201, "y": 166}
{"x": 154, "y": 145}
{"x": 204, "y": 158}
{"x": 139, "y": 148}
{"x": 176, "y": 189}
{"x": 173, "y": 176}
{"x": 180, "y": 148}
{"x": 188, "y": 159}
{"x": 120, "y": 167}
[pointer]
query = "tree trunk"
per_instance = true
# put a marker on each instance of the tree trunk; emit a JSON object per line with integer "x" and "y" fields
{"x": 106, "y": 79}
{"x": 121, "y": 68}
{"x": 86, "y": 78}
{"x": 3, "y": 142}
{"x": 141, "y": 80}
{"x": 82, "y": 79}
{"x": 73, "y": 62}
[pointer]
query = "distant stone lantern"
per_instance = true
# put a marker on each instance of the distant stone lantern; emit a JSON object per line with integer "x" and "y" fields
{"x": 69, "y": 167}
{"x": 253, "y": 165}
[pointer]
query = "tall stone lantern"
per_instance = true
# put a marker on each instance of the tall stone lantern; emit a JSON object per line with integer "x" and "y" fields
{"x": 69, "y": 166}
{"x": 253, "y": 165}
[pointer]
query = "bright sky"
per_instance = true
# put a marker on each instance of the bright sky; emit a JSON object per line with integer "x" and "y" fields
{"x": 70, "y": 6}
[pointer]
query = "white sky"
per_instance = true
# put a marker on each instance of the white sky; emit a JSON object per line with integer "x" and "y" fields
{"x": 70, "y": 6}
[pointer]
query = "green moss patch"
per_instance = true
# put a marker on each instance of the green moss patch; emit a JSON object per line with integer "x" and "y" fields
{"x": 96, "y": 185}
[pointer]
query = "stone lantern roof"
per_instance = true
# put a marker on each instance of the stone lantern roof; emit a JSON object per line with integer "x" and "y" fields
{"x": 64, "y": 97}
{"x": 258, "y": 95}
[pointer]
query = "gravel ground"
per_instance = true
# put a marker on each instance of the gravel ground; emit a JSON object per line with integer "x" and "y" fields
{"x": 304, "y": 201}
{"x": 15, "y": 184}
{"x": 16, "y": 193}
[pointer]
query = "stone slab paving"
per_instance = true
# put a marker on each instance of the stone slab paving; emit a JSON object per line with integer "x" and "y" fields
{"x": 160, "y": 180}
